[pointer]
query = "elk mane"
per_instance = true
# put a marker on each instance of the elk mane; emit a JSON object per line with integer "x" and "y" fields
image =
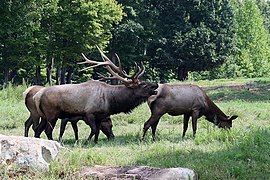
{"x": 125, "y": 101}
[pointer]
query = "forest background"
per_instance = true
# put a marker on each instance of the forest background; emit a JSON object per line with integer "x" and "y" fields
{"x": 41, "y": 41}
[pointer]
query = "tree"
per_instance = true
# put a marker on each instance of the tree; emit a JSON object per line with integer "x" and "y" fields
{"x": 79, "y": 26}
{"x": 252, "y": 54}
{"x": 128, "y": 36}
{"x": 264, "y": 6}
{"x": 191, "y": 35}
{"x": 34, "y": 32}
{"x": 18, "y": 23}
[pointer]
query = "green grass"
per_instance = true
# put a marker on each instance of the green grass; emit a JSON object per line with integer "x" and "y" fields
{"x": 241, "y": 153}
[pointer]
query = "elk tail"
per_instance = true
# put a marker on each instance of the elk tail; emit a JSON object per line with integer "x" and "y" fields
{"x": 27, "y": 91}
{"x": 37, "y": 99}
{"x": 151, "y": 100}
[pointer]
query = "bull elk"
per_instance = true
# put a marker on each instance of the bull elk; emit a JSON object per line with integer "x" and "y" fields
{"x": 187, "y": 100}
{"x": 94, "y": 100}
{"x": 106, "y": 124}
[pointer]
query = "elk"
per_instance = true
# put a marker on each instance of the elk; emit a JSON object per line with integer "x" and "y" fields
{"x": 106, "y": 125}
{"x": 94, "y": 100}
{"x": 187, "y": 100}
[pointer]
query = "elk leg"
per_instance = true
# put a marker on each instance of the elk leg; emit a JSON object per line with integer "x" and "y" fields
{"x": 90, "y": 135}
{"x": 62, "y": 128}
{"x": 41, "y": 127}
{"x": 75, "y": 129}
{"x": 195, "y": 116}
{"x": 185, "y": 124}
{"x": 27, "y": 126}
{"x": 89, "y": 120}
{"x": 98, "y": 123}
{"x": 152, "y": 120}
{"x": 154, "y": 128}
{"x": 35, "y": 122}
{"x": 49, "y": 128}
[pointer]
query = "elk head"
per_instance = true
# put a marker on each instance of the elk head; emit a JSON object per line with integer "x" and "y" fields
{"x": 143, "y": 89}
{"x": 224, "y": 122}
{"x": 106, "y": 127}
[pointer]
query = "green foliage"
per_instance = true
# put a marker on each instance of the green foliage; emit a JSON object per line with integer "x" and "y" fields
{"x": 192, "y": 35}
{"x": 252, "y": 57}
{"x": 33, "y": 32}
{"x": 82, "y": 24}
{"x": 19, "y": 22}
{"x": 169, "y": 35}
{"x": 227, "y": 38}
{"x": 264, "y": 6}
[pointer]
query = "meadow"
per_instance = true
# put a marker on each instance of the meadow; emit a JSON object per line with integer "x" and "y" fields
{"x": 241, "y": 153}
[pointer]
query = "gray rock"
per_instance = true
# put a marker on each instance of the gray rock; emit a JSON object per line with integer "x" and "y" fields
{"x": 27, "y": 152}
{"x": 137, "y": 172}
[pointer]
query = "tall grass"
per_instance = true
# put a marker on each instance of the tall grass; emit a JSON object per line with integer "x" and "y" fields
{"x": 12, "y": 93}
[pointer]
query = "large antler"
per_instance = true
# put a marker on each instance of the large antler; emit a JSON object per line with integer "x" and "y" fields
{"x": 116, "y": 71}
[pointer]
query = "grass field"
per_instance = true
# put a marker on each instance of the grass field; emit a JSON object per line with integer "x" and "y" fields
{"x": 241, "y": 153}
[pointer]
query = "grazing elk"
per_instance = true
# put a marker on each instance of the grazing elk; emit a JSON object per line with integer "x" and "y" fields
{"x": 189, "y": 100}
{"x": 106, "y": 124}
{"x": 105, "y": 127}
{"x": 94, "y": 100}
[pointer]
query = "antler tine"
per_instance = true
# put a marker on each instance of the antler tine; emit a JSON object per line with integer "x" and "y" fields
{"x": 116, "y": 70}
{"x": 96, "y": 63}
{"x": 137, "y": 68}
{"x": 103, "y": 77}
{"x": 119, "y": 62}
{"x": 113, "y": 66}
{"x": 85, "y": 69}
{"x": 117, "y": 76}
{"x": 121, "y": 71}
{"x": 140, "y": 72}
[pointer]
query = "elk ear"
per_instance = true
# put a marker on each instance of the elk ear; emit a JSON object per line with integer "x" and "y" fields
{"x": 233, "y": 117}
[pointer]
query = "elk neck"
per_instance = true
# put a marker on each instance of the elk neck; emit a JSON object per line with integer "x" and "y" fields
{"x": 124, "y": 99}
{"x": 213, "y": 110}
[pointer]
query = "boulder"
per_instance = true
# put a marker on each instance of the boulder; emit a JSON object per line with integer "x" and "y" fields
{"x": 27, "y": 152}
{"x": 136, "y": 172}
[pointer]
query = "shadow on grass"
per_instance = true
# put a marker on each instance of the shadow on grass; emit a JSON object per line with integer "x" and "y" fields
{"x": 129, "y": 139}
{"x": 8, "y": 126}
{"x": 256, "y": 95}
{"x": 119, "y": 140}
{"x": 246, "y": 158}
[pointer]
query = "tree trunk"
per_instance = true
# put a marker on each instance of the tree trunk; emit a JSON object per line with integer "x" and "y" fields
{"x": 63, "y": 75}
{"x": 182, "y": 73}
{"x": 38, "y": 75}
{"x": 49, "y": 75}
{"x": 6, "y": 75}
{"x": 57, "y": 75}
{"x": 49, "y": 72}
{"x": 12, "y": 75}
{"x": 69, "y": 75}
